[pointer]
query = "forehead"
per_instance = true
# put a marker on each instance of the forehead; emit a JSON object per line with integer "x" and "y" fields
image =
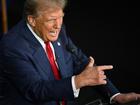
{"x": 51, "y": 12}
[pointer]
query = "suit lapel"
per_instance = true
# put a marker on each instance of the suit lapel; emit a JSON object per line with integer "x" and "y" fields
{"x": 39, "y": 57}
{"x": 60, "y": 58}
{"x": 42, "y": 63}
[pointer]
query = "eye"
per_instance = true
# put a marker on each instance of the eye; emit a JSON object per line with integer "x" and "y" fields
{"x": 51, "y": 20}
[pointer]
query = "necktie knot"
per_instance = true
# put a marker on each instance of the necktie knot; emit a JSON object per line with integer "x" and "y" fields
{"x": 46, "y": 43}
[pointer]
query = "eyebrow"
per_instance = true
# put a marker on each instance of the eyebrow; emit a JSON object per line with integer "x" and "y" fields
{"x": 55, "y": 16}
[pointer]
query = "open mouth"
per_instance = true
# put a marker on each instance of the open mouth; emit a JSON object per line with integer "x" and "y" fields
{"x": 53, "y": 33}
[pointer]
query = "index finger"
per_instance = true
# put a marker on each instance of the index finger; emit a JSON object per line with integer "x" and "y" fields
{"x": 105, "y": 67}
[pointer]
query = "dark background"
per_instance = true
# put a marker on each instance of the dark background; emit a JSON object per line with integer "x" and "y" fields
{"x": 106, "y": 30}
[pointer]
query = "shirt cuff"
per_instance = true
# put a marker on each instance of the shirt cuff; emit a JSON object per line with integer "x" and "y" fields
{"x": 111, "y": 99}
{"x": 75, "y": 91}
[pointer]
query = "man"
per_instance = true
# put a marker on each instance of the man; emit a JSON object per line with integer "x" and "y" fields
{"x": 26, "y": 55}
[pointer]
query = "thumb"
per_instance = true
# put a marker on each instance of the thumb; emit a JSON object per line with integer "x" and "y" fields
{"x": 91, "y": 62}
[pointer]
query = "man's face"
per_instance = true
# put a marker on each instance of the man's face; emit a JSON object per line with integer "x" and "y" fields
{"x": 48, "y": 24}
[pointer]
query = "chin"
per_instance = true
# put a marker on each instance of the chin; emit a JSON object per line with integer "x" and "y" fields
{"x": 53, "y": 39}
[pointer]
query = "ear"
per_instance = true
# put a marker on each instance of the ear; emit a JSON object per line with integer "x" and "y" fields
{"x": 31, "y": 20}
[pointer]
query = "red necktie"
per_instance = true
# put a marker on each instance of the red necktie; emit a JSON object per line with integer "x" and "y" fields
{"x": 53, "y": 64}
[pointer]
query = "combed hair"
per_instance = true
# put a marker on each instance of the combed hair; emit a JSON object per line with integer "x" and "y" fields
{"x": 33, "y": 7}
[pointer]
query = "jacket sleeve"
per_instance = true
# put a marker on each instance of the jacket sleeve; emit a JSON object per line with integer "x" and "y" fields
{"x": 81, "y": 60}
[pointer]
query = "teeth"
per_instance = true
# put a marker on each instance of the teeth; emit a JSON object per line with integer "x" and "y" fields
{"x": 52, "y": 33}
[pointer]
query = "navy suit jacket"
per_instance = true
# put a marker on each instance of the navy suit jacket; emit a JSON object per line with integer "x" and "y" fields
{"x": 26, "y": 77}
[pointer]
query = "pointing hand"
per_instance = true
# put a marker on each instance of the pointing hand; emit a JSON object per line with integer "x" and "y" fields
{"x": 92, "y": 75}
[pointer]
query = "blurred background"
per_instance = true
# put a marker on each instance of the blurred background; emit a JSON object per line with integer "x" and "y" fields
{"x": 106, "y": 30}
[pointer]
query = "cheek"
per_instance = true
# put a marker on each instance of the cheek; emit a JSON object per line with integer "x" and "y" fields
{"x": 46, "y": 30}
{"x": 47, "y": 27}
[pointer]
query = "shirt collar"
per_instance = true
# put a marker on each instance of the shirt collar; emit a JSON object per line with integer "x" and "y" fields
{"x": 36, "y": 36}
